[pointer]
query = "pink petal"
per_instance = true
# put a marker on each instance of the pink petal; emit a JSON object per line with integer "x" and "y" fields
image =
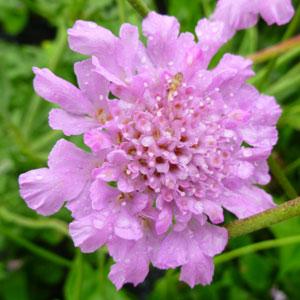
{"x": 211, "y": 239}
{"x": 211, "y": 35}
{"x": 102, "y": 194}
{"x": 86, "y": 236}
{"x": 70, "y": 124}
{"x": 97, "y": 139}
{"x": 45, "y": 190}
{"x": 60, "y": 91}
{"x": 172, "y": 251}
{"x": 90, "y": 39}
{"x": 41, "y": 191}
{"x": 132, "y": 263}
{"x": 276, "y": 11}
{"x": 164, "y": 221}
{"x": 199, "y": 270}
{"x": 162, "y": 33}
{"x": 128, "y": 227}
{"x": 93, "y": 85}
{"x": 247, "y": 201}
{"x": 127, "y": 48}
{"x": 213, "y": 210}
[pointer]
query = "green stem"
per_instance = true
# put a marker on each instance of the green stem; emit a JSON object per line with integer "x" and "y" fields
{"x": 293, "y": 27}
{"x": 121, "y": 10}
{"x": 78, "y": 267}
{"x": 10, "y": 217}
{"x": 54, "y": 258}
{"x": 289, "y": 32}
{"x": 293, "y": 166}
{"x": 267, "y": 218}
{"x": 256, "y": 247}
{"x": 140, "y": 7}
{"x": 281, "y": 178}
{"x": 275, "y": 51}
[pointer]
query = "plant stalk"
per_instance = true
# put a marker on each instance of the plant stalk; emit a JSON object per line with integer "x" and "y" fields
{"x": 256, "y": 247}
{"x": 267, "y": 218}
{"x": 140, "y": 7}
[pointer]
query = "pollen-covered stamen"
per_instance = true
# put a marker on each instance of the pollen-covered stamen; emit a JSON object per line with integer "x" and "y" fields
{"x": 102, "y": 117}
{"x": 173, "y": 85}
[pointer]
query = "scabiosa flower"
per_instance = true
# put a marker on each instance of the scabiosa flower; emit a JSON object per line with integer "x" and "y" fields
{"x": 175, "y": 145}
{"x": 241, "y": 14}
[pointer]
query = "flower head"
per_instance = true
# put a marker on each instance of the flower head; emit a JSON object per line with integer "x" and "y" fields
{"x": 175, "y": 145}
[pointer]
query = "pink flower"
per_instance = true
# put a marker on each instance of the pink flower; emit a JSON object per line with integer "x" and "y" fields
{"x": 241, "y": 14}
{"x": 176, "y": 145}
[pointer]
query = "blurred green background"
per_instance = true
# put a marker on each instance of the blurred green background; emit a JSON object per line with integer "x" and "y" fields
{"x": 37, "y": 258}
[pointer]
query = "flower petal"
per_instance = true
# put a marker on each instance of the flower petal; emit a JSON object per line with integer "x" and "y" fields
{"x": 133, "y": 263}
{"x": 162, "y": 33}
{"x": 199, "y": 270}
{"x": 102, "y": 194}
{"x": 59, "y": 91}
{"x": 45, "y": 190}
{"x": 128, "y": 227}
{"x": 41, "y": 191}
{"x": 86, "y": 236}
{"x": 247, "y": 201}
{"x": 93, "y": 85}
{"x": 70, "y": 124}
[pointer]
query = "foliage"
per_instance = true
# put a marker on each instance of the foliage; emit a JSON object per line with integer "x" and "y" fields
{"x": 38, "y": 260}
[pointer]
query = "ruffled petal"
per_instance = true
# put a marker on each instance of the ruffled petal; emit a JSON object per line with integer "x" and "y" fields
{"x": 211, "y": 35}
{"x": 164, "y": 220}
{"x": 41, "y": 191}
{"x": 199, "y": 270}
{"x": 127, "y": 49}
{"x": 247, "y": 201}
{"x": 98, "y": 139}
{"x": 172, "y": 251}
{"x": 73, "y": 164}
{"x": 132, "y": 263}
{"x": 211, "y": 239}
{"x": 81, "y": 206}
{"x": 59, "y": 91}
{"x": 102, "y": 194}
{"x": 70, "y": 124}
{"x": 87, "y": 234}
{"x": 128, "y": 227}
{"x": 241, "y": 14}
{"x": 213, "y": 210}
{"x": 279, "y": 12}
{"x": 162, "y": 33}
{"x": 93, "y": 85}
{"x": 90, "y": 39}
{"x": 238, "y": 14}
{"x": 45, "y": 190}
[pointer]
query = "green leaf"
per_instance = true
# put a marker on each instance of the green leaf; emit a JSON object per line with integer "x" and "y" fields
{"x": 15, "y": 287}
{"x": 249, "y": 266}
{"x": 73, "y": 284}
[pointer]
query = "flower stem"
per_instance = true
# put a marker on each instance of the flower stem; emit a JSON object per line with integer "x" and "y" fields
{"x": 267, "y": 218}
{"x": 275, "y": 51}
{"x": 256, "y": 247}
{"x": 10, "y": 217}
{"x": 281, "y": 178}
{"x": 140, "y": 7}
{"x": 54, "y": 258}
{"x": 269, "y": 68}
{"x": 121, "y": 10}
